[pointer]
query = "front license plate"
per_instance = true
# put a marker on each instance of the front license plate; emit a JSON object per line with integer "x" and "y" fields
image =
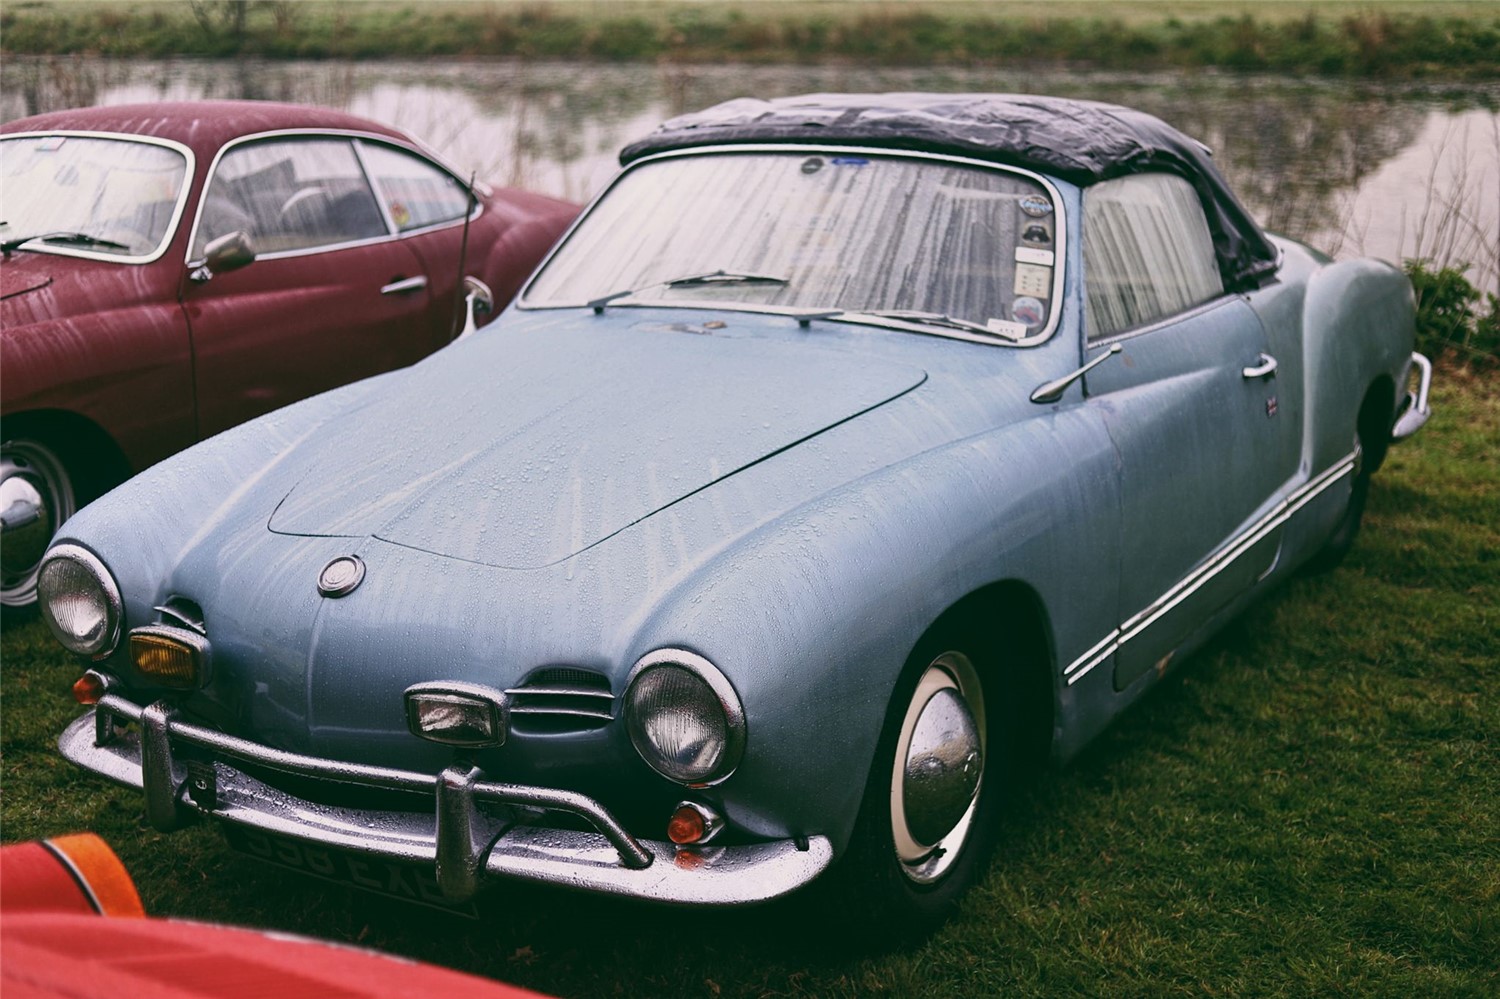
{"x": 384, "y": 877}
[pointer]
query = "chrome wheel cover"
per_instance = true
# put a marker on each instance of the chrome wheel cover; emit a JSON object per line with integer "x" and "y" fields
{"x": 938, "y": 769}
{"x": 36, "y": 496}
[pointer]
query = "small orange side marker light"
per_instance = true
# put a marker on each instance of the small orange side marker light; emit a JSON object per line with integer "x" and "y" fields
{"x": 686, "y": 826}
{"x": 88, "y": 689}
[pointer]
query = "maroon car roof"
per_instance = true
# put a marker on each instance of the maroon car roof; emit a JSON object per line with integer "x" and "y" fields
{"x": 203, "y": 126}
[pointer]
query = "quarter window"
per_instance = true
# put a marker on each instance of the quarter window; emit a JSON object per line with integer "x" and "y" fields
{"x": 290, "y": 195}
{"x": 1147, "y": 252}
{"x": 416, "y": 193}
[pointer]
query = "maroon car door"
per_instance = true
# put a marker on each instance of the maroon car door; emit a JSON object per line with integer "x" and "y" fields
{"x": 332, "y": 296}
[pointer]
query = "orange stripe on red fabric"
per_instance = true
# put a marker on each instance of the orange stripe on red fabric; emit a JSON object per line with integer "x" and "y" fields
{"x": 102, "y": 871}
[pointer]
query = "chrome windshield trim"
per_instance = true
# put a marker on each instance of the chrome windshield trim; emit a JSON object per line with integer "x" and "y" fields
{"x": 465, "y": 845}
{"x": 190, "y": 168}
{"x": 1247, "y": 539}
{"x": 1060, "y": 233}
{"x": 355, "y": 137}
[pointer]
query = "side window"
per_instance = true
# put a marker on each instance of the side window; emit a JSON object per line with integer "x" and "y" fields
{"x": 415, "y": 192}
{"x": 290, "y": 194}
{"x": 1147, "y": 252}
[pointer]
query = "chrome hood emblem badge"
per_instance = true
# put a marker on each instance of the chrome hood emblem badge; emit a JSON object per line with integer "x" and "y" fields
{"x": 341, "y": 576}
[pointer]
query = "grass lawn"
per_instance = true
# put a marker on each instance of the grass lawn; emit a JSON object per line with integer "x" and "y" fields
{"x": 1312, "y": 807}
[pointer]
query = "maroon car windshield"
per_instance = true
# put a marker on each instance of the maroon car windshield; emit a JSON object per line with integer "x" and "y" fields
{"x": 99, "y": 197}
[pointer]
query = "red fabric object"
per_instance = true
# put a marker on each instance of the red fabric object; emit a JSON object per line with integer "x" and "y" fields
{"x": 74, "y": 874}
{"x": 48, "y": 955}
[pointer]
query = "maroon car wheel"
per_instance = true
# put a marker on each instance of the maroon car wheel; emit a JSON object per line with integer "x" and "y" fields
{"x": 36, "y": 496}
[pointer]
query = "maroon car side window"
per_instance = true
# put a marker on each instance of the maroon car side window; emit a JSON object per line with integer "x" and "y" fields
{"x": 291, "y": 194}
{"x": 416, "y": 193}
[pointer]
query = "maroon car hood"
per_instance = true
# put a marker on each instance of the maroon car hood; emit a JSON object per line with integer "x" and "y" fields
{"x": 35, "y": 287}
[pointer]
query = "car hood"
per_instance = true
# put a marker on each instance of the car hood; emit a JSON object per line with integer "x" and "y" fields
{"x": 527, "y": 444}
{"x": 37, "y": 287}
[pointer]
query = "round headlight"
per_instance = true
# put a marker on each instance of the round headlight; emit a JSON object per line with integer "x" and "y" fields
{"x": 79, "y": 600}
{"x": 684, "y": 718}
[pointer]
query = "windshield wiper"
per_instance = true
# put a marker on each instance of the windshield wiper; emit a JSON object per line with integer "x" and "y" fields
{"x": 712, "y": 277}
{"x": 73, "y": 238}
{"x": 939, "y": 319}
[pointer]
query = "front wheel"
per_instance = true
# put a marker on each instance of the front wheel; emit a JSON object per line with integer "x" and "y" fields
{"x": 36, "y": 496}
{"x": 926, "y": 824}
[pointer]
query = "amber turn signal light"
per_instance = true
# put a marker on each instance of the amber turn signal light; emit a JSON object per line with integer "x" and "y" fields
{"x": 169, "y": 657}
{"x": 89, "y": 688}
{"x": 693, "y": 823}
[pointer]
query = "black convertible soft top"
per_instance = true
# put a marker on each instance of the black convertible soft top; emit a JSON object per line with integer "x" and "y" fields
{"x": 1082, "y": 142}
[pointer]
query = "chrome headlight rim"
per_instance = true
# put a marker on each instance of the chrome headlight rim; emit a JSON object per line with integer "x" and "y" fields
{"x": 114, "y": 605}
{"x": 723, "y": 690}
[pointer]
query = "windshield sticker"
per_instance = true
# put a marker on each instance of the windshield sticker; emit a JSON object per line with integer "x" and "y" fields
{"x": 1029, "y": 311}
{"x": 1028, "y": 255}
{"x": 51, "y": 143}
{"x": 1036, "y": 206}
{"x": 812, "y": 164}
{"x": 1034, "y": 280}
{"x": 1007, "y": 329}
{"x": 850, "y": 161}
{"x": 1037, "y": 234}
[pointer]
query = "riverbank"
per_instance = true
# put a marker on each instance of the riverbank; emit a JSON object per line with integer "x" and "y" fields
{"x": 1396, "y": 39}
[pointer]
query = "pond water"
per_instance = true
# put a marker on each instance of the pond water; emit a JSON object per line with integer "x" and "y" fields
{"x": 1354, "y": 168}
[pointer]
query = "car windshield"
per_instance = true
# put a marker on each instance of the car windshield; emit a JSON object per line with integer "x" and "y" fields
{"x": 90, "y": 196}
{"x": 920, "y": 240}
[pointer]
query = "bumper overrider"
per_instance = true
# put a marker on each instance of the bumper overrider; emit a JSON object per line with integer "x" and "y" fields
{"x": 187, "y": 770}
{"x": 1413, "y": 411}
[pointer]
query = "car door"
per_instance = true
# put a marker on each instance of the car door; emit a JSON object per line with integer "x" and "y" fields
{"x": 1191, "y": 405}
{"x": 332, "y": 296}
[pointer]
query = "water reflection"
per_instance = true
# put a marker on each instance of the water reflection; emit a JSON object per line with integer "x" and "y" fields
{"x": 1355, "y": 169}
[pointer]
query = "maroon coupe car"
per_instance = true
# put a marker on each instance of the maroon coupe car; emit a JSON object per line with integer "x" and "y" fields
{"x": 171, "y": 270}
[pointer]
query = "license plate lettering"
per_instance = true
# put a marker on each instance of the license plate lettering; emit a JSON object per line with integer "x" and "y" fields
{"x": 411, "y": 883}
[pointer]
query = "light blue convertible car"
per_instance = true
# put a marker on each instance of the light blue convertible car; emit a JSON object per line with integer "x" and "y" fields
{"x": 851, "y": 455}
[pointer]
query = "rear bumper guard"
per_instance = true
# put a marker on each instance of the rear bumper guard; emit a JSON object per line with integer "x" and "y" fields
{"x": 1414, "y": 409}
{"x": 463, "y": 844}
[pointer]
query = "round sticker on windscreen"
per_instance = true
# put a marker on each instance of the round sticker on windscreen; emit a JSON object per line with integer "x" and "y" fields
{"x": 812, "y": 164}
{"x": 1028, "y": 310}
{"x": 1036, "y": 206}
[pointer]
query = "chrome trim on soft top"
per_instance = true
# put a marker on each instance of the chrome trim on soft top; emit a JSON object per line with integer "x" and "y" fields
{"x": 1060, "y": 236}
{"x": 465, "y": 844}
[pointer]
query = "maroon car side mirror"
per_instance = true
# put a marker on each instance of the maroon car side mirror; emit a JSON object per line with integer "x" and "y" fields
{"x": 229, "y": 252}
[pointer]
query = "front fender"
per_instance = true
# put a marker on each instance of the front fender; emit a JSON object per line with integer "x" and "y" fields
{"x": 813, "y": 614}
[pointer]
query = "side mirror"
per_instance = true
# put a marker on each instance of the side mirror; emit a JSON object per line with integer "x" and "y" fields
{"x": 229, "y": 252}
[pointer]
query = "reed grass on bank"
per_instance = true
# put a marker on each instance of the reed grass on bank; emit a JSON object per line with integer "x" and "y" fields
{"x": 1387, "y": 40}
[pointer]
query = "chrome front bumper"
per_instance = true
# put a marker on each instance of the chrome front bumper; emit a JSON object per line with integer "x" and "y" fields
{"x": 463, "y": 844}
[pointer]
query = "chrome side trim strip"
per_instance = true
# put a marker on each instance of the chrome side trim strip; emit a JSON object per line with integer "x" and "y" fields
{"x": 1093, "y": 657}
{"x": 1136, "y": 625}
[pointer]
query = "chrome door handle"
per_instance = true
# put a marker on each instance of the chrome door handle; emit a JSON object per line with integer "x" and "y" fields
{"x": 405, "y": 285}
{"x": 1264, "y": 367}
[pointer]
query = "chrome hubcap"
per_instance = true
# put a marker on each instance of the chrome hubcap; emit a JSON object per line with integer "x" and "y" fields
{"x": 35, "y": 498}
{"x": 938, "y": 768}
